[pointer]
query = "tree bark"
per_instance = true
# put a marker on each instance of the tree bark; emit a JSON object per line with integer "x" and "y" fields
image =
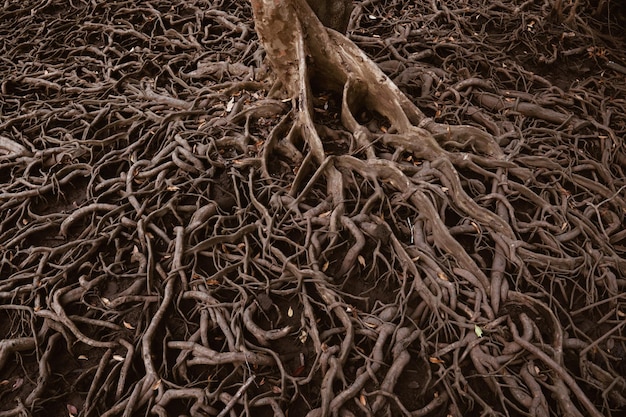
{"x": 334, "y": 14}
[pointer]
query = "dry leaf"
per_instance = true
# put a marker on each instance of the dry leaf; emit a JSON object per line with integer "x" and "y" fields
{"x": 17, "y": 384}
{"x": 442, "y": 276}
{"x": 118, "y": 358}
{"x": 83, "y": 358}
{"x": 128, "y": 326}
{"x": 361, "y": 260}
{"x": 290, "y": 312}
{"x": 362, "y": 400}
{"x": 432, "y": 359}
{"x": 72, "y": 410}
{"x": 230, "y": 105}
{"x": 156, "y": 385}
{"x": 106, "y": 301}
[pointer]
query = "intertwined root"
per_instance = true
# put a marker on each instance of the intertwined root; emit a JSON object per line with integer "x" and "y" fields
{"x": 456, "y": 287}
{"x": 161, "y": 252}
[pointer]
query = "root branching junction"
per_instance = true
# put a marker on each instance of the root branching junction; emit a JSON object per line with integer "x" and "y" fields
{"x": 188, "y": 230}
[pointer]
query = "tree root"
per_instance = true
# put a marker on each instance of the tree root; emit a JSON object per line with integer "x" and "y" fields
{"x": 177, "y": 242}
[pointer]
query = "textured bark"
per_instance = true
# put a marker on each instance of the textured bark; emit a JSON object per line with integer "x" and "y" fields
{"x": 300, "y": 48}
{"x": 334, "y": 14}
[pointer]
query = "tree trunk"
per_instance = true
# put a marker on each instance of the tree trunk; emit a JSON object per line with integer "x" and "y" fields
{"x": 301, "y": 49}
{"x": 334, "y": 14}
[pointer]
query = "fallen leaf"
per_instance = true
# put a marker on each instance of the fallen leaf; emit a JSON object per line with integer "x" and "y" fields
{"x": 230, "y": 105}
{"x": 72, "y": 410}
{"x": 478, "y": 331}
{"x": 361, "y": 260}
{"x": 298, "y": 371}
{"x": 156, "y": 385}
{"x": 128, "y": 326}
{"x": 432, "y": 359}
{"x": 17, "y": 384}
{"x": 118, "y": 358}
{"x": 290, "y": 312}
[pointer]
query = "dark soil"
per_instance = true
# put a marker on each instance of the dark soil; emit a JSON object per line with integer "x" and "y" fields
{"x": 151, "y": 263}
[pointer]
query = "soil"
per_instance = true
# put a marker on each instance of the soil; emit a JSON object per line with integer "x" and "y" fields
{"x": 149, "y": 264}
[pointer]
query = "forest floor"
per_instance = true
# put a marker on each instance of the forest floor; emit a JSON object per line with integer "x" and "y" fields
{"x": 152, "y": 261}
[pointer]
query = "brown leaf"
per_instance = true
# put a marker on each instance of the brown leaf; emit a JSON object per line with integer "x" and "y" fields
{"x": 72, "y": 410}
{"x": 17, "y": 384}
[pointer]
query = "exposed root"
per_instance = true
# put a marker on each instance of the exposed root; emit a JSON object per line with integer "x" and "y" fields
{"x": 173, "y": 241}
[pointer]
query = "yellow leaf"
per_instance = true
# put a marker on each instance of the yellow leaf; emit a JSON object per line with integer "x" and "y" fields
{"x": 156, "y": 385}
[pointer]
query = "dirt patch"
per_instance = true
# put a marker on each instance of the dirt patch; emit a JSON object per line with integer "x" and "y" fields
{"x": 166, "y": 246}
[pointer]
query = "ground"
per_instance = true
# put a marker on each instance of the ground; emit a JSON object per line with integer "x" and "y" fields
{"x": 169, "y": 247}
